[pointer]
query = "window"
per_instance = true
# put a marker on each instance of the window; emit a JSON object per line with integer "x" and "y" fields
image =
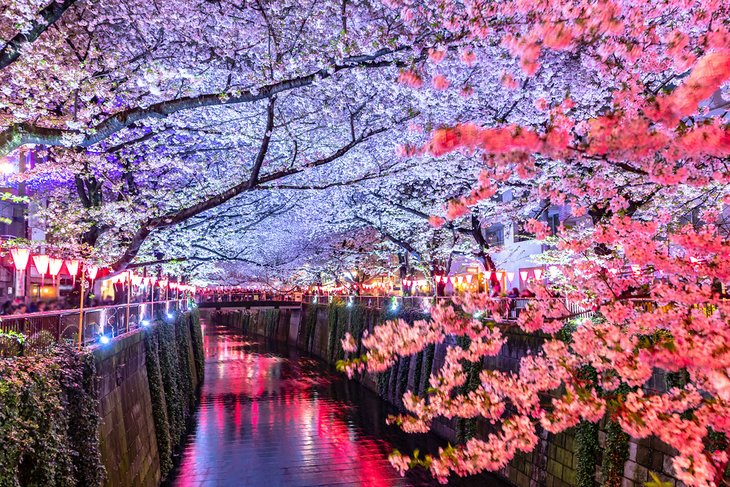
{"x": 553, "y": 222}
{"x": 494, "y": 235}
{"x": 521, "y": 234}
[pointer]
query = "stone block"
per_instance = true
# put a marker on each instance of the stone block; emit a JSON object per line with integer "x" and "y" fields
{"x": 554, "y": 468}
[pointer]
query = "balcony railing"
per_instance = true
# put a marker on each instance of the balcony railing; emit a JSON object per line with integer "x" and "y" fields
{"x": 98, "y": 324}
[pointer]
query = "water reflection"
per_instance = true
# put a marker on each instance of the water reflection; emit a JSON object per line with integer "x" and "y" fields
{"x": 272, "y": 417}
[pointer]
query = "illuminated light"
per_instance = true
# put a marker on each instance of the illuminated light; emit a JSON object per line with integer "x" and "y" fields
{"x": 394, "y": 304}
{"x": 314, "y": 300}
{"x": 41, "y": 264}
{"x": 170, "y": 316}
{"x": 478, "y": 314}
{"x": 145, "y": 322}
{"x": 104, "y": 339}
{"x": 538, "y": 274}
{"x": 20, "y": 258}
{"x": 554, "y": 271}
{"x": 510, "y": 276}
{"x": 524, "y": 274}
{"x": 7, "y": 168}
{"x": 459, "y": 279}
{"x": 72, "y": 266}
{"x": 469, "y": 278}
{"x": 92, "y": 271}
{"x": 490, "y": 275}
{"x": 500, "y": 275}
{"x": 54, "y": 266}
{"x": 349, "y": 303}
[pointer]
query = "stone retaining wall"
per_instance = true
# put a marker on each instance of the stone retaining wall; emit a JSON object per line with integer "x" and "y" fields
{"x": 128, "y": 439}
{"x": 128, "y": 434}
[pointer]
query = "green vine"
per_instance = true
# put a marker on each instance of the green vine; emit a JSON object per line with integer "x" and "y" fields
{"x": 332, "y": 312}
{"x": 404, "y": 368}
{"x": 428, "y": 355}
{"x": 615, "y": 454}
{"x": 417, "y": 373}
{"x": 157, "y": 396}
{"x": 197, "y": 338}
{"x": 48, "y": 420}
{"x": 170, "y": 378}
{"x": 586, "y": 452}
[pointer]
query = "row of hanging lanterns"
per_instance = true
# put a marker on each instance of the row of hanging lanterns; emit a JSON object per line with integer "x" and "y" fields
{"x": 47, "y": 265}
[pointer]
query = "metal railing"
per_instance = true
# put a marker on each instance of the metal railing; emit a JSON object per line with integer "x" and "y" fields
{"x": 42, "y": 330}
{"x": 247, "y": 297}
{"x": 507, "y": 308}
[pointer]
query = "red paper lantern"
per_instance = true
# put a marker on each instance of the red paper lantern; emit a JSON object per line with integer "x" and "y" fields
{"x": 41, "y": 264}
{"x": 54, "y": 266}
{"x": 92, "y": 271}
{"x": 20, "y": 258}
{"x": 72, "y": 266}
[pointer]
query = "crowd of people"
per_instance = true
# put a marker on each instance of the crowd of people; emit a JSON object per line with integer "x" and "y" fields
{"x": 19, "y": 307}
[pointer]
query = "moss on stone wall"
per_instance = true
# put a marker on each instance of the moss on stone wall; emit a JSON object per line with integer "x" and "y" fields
{"x": 157, "y": 396}
{"x": 48, "y": 420}
{"x": 615, "y": 454}
{"x": 196, "y": 334}
{"x": 172, "y": 388}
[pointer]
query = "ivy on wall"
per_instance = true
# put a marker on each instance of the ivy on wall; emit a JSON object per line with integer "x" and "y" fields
{"x": 417, "y": 373}
{"x": 332, "y": 311}
{"x": 428, "y": 355}
{"x": 467, "y": 428}
{"x": 615, "y": 454}
{"x": 49, "y": 419}
{"x": 169, "y": 373}
{"x": 196, "y": 334}
{"x": 157, "y": 396}
{"x": 586, "y": 453}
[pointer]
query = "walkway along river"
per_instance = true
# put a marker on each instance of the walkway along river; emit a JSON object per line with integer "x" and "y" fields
{"x": 271, "y": 416}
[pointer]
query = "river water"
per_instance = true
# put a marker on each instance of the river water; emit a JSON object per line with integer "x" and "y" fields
{"x": 271, "y": 416}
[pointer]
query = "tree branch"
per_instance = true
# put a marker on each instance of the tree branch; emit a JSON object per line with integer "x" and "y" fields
{"x": 25, "y": 133}
{"x": 48, "y": 16}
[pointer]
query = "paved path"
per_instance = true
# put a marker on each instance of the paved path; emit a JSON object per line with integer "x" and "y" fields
{"x": 272, "y": 418}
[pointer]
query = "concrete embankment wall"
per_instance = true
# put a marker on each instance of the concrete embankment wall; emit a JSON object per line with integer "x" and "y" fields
{"x": 146, "y": 384}
{"x": 556, "y": 460}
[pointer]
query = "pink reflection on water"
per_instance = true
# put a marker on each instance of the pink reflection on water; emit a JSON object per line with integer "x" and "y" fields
{"x": 262, "y": 423}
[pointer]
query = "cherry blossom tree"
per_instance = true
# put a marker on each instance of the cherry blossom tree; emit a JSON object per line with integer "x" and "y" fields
{"x": 223, "y": 137}
{"x": 646, "y": 171}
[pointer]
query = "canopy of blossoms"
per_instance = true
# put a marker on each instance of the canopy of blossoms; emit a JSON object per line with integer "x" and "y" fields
{"x": 287, "y": 135}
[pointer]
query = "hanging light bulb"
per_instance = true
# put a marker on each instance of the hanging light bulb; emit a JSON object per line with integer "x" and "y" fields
{"x": 538, "y": 274}
{"x": 523, "y": 275}
{"x": 510, "y": 276}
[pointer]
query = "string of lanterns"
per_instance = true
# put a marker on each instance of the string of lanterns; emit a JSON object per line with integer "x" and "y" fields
{"x": 47, "y": 265}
